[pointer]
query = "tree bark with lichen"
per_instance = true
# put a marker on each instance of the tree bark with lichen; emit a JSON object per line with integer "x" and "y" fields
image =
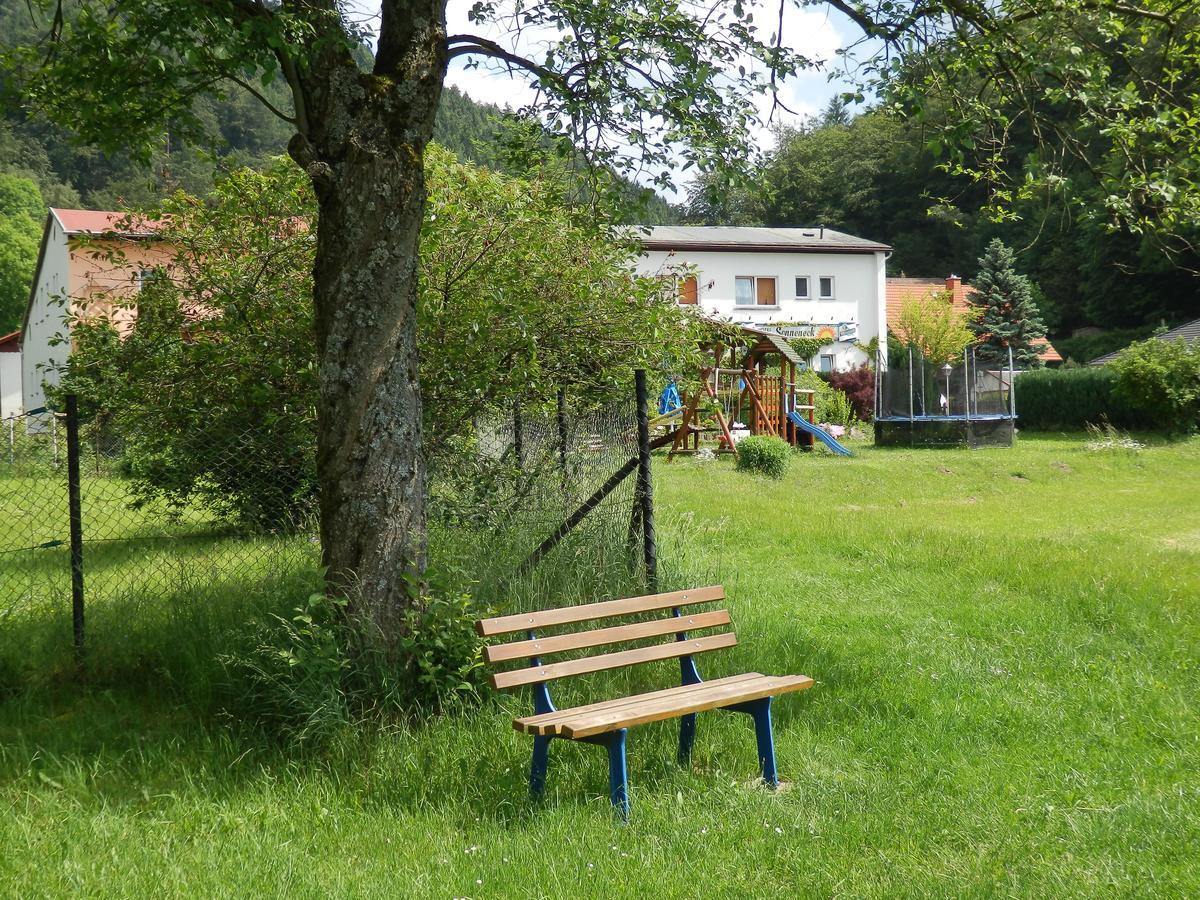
{"x": 363, "y": 149}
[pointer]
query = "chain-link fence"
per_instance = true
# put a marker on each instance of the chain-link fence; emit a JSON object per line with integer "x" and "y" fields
{"x": 150, "y": 528}
{"x": 211, "y": 509}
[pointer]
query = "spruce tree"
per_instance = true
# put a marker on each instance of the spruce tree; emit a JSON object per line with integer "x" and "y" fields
{"x": 1006, "y": 313}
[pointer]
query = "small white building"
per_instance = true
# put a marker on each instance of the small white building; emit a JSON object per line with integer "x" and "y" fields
{"x": 803, "y": 282}
{"x": 10, "y": 375}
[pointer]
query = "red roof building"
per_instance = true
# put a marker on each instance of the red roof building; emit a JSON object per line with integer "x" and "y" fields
{"x": 902, "y": 290}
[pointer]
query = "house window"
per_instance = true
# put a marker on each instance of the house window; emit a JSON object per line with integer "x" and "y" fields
{"x": 826, "y": 362}
{"x": 755, "y": 290}
{"x": 802, "y": 288}
{"x": 826, "y": 287}
{"x": 146, "y": 276}
{"x": 689, "y": 291}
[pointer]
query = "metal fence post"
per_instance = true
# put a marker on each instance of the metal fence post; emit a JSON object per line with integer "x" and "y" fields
{"x": 645, "y": 491}
{"x": 76, "y": 517}
{"x": 518, "y": 435}
{"x": 562, "y": 429}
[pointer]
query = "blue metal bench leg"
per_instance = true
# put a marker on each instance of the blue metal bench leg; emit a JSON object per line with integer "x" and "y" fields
{"x": 760, "y": 711}
{"x": 618, "y": 772}
{"x": 537, "y": 771}
{"x": 687, "y": 737}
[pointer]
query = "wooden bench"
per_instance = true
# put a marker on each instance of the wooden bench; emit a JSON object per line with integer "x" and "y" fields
{"x": 607, "y": 722}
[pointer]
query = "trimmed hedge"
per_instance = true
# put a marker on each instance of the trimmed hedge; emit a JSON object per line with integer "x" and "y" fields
{"x": 1050, "y": 399}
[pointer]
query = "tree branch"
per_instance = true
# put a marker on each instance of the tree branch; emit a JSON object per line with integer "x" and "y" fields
{"x": 471, "y": 45}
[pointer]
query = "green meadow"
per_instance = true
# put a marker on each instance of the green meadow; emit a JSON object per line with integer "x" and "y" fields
{"x": 1006, "y": 648}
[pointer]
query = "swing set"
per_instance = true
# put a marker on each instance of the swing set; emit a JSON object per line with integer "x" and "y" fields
{"x": 752, "y": 386}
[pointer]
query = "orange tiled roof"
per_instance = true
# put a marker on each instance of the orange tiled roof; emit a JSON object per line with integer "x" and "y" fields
{"x": 99, "y": 221}
{"x": 901, "y": 290}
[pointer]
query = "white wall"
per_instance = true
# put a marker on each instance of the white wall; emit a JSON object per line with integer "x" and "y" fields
{"x": 859, "y": 289}
{"x": 47, "y": 320}
{"x": 10, "y": 384}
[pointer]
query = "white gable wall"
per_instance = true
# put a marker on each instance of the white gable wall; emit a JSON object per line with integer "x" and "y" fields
{"x": 859, "y": 289}
{"x": 10, "y": 384}
{"x": 40, "y": 352}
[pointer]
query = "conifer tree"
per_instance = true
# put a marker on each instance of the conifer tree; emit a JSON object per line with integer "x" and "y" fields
{"x": 1007, "y": 315}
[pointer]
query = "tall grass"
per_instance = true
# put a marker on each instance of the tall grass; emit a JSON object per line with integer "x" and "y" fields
{"x": 1004, "y": 643}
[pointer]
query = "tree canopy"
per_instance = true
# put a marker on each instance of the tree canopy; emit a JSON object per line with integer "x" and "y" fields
{"x": 214, "y": 392}
{"x": 21, "y": 214}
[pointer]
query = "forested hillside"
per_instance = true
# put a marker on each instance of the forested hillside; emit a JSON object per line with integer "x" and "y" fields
{"x": 875, "y": 175}
{"x": 37, "y": 157}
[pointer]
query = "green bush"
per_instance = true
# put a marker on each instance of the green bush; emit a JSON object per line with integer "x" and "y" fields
{"x": 304, "y": 679}
{"x": 1049, "y": 399}
{"x": 764, "y": 454}
{"x": 1161, "y": 379}
{"x": 834, "y": 405}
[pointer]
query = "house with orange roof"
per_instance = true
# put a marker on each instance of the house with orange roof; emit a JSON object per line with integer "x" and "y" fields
{"x": 902, "y": 290}
{"x": 89, "y": 263}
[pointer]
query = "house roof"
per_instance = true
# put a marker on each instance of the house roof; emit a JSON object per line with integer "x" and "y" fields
{"x": 10, "y": 343}
{"x": 901, "y": 290}
{"x": 1189, "y": 332}
{"x": 814, "y": 239}
{"x": 99, "y": 221}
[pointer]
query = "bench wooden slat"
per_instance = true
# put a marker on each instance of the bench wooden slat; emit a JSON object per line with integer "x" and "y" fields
{"x": 600, "y": 636}
{"x": 569, "y": 615}
{"x": 658, "y": 709}
{"x": 547, "y": 723}
{"x": 534, "y": 674}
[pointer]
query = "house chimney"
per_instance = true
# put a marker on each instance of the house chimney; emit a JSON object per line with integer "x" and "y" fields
{"x": 822, "y": 232}
{"x": 954, "y": 287}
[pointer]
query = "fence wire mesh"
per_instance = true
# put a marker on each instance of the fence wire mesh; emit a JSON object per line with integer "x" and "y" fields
{"x": 218, "y": 510}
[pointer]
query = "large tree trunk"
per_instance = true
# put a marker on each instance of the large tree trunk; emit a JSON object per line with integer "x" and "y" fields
{"x": 364, "y": 151}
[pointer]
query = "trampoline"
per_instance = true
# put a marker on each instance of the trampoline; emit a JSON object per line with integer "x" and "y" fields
{"x": 967, "y": 403}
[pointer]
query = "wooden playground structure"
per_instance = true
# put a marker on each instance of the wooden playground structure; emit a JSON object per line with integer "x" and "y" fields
{"x": 752, "y": 385}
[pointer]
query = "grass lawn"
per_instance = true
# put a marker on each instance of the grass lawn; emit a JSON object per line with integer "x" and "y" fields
{"x": 1006, "y": 645}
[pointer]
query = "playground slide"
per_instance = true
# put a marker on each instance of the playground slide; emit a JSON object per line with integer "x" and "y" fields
{"x": 819, "y": 433}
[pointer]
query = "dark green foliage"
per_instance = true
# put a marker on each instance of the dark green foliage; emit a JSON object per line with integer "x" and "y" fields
{"x": 1008, "y": 317}
{"x": 1085, "y": 348}
{"x": 877, "y": 176}
{"x": 764, "y": 455}
{"x": 1162, "y": 380}
{"x": 305, "y": 677}
{"x": 1069, "y": 399}
{"x": 211, "y": 394}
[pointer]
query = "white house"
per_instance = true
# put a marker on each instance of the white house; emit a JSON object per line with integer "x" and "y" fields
{"x": 804, "y": 282}
{"x": 10, "y": 375}
{"x": 77, "y": 275}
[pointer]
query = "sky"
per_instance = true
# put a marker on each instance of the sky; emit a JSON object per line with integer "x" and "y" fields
{"x": 816, "y": 32}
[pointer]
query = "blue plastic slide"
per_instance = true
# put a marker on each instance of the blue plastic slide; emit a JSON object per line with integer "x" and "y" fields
{"x": 820, "y": 433}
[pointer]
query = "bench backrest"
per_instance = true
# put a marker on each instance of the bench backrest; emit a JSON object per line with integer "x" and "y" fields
{"x": 535, "y": 646}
